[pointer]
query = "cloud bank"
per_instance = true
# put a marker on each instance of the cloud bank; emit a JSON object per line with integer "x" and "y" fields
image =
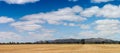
{"x": 33, "y": 25}
{"x": 4, "y": 19}
{"x": 19, "y": 1}
{"x": 100, "y": 1}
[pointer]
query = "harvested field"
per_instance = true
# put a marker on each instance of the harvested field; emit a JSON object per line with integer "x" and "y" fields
{"x": 61, "y": 48}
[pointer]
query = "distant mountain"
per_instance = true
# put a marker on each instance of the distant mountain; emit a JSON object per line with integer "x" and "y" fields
{"x": 67, "y": 40}
{"x": 93, "y": 40}
{"x": 81, "y": 41}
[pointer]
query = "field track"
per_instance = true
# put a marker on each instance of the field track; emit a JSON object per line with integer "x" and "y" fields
{"x": 61, "y": 48}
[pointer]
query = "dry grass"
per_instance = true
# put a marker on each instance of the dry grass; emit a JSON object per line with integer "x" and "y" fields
{"x": 61, "y": 48}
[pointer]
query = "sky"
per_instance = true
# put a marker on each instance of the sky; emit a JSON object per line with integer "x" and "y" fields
{"x": 34, "y": 20}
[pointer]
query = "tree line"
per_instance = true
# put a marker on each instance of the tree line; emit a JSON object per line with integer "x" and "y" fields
{"x": 66, "y": 41}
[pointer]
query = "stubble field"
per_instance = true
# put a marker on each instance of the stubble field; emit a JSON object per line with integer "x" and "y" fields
{"x": 61, "y": 48}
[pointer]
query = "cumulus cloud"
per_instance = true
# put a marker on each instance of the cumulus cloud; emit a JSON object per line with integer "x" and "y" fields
{"x": 90, "y": 11}
{"x": 110, "y": 11}
{"x": 58, "y": 17}
{"x": 26, "y": 25}
{"x": 19, "y": 1}
{"x": 9, "y": 37}
{"x": 100, "y": 1}
{"x": 4, "y": 19}
{"x": 108, "y": 26}
{"x": 107, "y": 11}
{"x": 65, "y": 15}
{"x": 102, "y": 28}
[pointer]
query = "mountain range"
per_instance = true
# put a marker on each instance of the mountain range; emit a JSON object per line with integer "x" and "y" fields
{"x": 81, "y": 41}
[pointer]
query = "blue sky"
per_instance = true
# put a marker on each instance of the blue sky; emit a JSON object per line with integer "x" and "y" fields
{"x": 32, "y": 20}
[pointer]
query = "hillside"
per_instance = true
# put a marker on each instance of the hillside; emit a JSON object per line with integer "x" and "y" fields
{"x": 81, "y": 41}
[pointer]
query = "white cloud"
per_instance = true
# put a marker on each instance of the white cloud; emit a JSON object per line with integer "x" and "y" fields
{"x": 108, "y": 26}
{"x": 107, "y": 11}
{"x": 65, "y": 15}
{"x": 58, "y": 17}
{"x": 26, "y": 25}
{"x": 99, "y": 1}
{"x": 73, "y": 0}
{"x": 4, "y": 19}
{"x": 77, "y": 9}
{"x": 9, "y": 37}
{"x": 84, "y": 26}
{"x": 31, "y": 36}
{"x": 90, "y": 11}
{"x": 72, "y": 24}
{"x": 33, "y": 30}
{"x": 19, "y": 1}
{"x": 110, "y": 11}
{"x": 103, "y": 28}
